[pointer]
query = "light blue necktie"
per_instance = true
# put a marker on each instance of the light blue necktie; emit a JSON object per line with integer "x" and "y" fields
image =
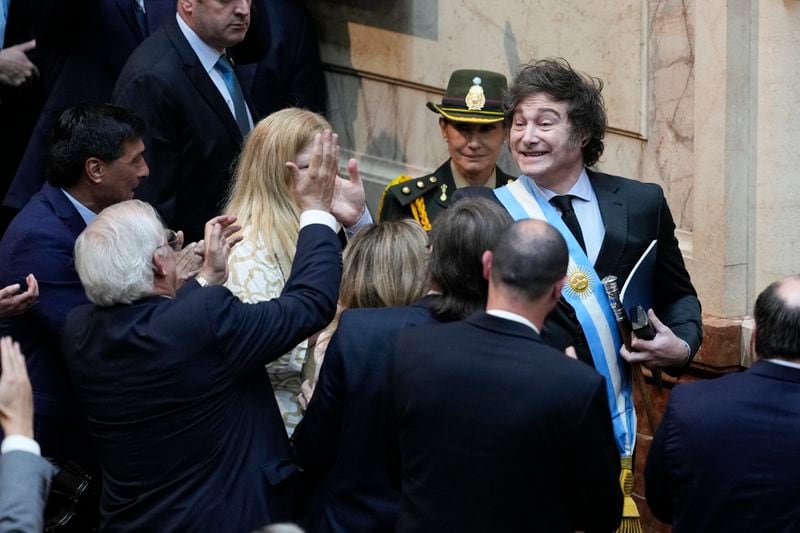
{"x": 239, "y": 107}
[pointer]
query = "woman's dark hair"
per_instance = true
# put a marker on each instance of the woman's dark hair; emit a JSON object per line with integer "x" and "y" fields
{"x": 561, "y": 82}
{"x": 459, "y": 237}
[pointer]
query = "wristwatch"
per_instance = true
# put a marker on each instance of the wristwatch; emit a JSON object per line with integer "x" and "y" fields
{"x": 203, "y": 282}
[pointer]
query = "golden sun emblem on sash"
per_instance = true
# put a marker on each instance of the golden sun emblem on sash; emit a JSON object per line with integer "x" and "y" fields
{"x": 578, "y": 282}
{"x": 475, "y": 98}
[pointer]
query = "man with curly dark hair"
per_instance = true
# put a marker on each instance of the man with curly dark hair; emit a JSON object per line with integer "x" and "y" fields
{"x": 557, "y": 123}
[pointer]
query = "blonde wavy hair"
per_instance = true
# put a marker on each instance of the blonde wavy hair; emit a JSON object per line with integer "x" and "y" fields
{"x": 261, "y": 192}
{"x": 385, "y": 265}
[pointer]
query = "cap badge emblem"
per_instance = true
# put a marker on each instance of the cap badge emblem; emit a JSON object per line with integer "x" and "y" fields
{"x": 475, "y": 99}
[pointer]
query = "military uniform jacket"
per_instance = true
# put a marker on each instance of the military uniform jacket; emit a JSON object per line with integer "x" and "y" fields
{"x": 403, "y": 197}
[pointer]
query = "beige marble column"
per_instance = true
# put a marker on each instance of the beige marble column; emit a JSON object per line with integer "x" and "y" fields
{"x": 723, "y": 155}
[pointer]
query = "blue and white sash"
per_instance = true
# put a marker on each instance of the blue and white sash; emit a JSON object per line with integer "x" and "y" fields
{"x": 586, "y": 295}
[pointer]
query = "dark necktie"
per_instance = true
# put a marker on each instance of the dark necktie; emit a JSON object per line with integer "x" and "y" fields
{"x": 141, "y": 17}
{"x": 239, "y": 107}
{"x": 564, "y": 204}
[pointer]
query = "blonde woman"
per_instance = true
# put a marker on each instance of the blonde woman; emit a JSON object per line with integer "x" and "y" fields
{"x": 277, "y": 151}
{"x": 385, "y": 265}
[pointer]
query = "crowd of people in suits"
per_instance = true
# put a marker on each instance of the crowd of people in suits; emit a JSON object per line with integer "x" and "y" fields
{"x": 282, "y": 358}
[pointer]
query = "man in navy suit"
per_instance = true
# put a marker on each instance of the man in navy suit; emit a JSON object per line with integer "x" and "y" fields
{"x": 84, "y": 44}
{"x": 172, "y": 382}
{"x": 490, "y": 429}
{"x": 340, "y": 441}
{"x": 182, "y": 82}
{"x": 96, "y": 160}
{"x": 725, "y": 455}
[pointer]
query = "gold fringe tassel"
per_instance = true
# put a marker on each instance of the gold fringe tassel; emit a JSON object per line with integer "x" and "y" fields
{"x": 418, "y": 210}
{"x": 399, "y": 179}
{"x": 630, "y": 514}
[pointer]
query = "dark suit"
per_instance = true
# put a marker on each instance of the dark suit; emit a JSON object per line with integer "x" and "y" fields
{"x": 192, "y": 137}
{"x": 178, "y": 402}
{"x": 24, "y": 483}
{"x": 290, "y": 75}
{"x": 87, "y": 43}
{"x": 498, "y": 432}
{"x": 40, "y": 240}
{"x": 340, "y": 437}
{"x": 725, "y": 455}
{"x": 435, "y": 189}
{"x": 634, "y": 214}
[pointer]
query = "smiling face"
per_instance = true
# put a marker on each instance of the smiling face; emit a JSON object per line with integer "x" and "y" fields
{"x": 219, "y": 23}
{"x": 474, "y": 148}
{"x": 543, "y": 144}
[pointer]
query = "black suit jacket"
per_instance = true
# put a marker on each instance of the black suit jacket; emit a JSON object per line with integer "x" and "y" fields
{"x": 179, "y": 405}
{"x": 498, "y": 432}
{"x": 85, "y": 44}
{"x": 725, "y": 455}
{"x": 192, "y": 138}
{"x": 340, "y": 438}
{"x": 290, "y": 74}
{"x": 634, "y": 214}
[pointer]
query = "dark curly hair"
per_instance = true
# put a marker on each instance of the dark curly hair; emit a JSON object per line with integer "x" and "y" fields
{"x": 561, "y": 82}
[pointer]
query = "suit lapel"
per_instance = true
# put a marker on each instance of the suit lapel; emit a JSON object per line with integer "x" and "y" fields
{"x": 64, "y": 209}
{"x": 202, "y": 82}
{"x": 126, "y": 7}
{"x": 614, "y": 211}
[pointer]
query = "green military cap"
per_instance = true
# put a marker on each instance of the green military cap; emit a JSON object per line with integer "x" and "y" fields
{"x": 474, "y": 96}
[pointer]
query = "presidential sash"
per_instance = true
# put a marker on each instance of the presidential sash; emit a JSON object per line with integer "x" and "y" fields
{"x": 584, "y": 292}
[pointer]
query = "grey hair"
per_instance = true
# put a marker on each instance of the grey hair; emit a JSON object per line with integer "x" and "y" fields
{"x": 114, "y": 254}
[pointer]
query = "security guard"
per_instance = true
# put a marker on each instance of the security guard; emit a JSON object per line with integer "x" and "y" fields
{"x": 471, "y": 123}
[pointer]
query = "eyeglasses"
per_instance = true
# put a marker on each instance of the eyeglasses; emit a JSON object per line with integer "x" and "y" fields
{"x": 172, "y": 240}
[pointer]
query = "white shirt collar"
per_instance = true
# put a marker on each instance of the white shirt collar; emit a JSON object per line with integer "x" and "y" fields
{"x": 514, "y": 317}
{"x": 783, "y": 362}
{"x": 86, "y": 214}
{"x": 207, "y": 55}
{"x": 581, "y": 189}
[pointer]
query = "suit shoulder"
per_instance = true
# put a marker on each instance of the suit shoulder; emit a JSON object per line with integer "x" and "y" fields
{"x": 627, "y": 185}
{"x": 405, "y": 189}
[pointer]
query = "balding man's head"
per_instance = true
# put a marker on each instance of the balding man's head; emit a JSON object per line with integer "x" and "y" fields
{"x": 777, "y": 316}
{"x": 528, "y": 258}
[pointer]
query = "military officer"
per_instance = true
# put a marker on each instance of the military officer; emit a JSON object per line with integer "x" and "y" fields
{"x": 471, "y": 123}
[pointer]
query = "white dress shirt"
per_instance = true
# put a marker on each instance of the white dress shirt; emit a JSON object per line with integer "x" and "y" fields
{"x": 587, "y": 209}
{"x": 208, "y": 58}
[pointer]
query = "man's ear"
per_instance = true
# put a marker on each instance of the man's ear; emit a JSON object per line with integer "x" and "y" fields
{"x": 159, "y": 265}
{"x": 94, "y": 168}
{"x": 187, "y": 6}
{"x": 558, "y": 286}
{"x": 486, "y": 261}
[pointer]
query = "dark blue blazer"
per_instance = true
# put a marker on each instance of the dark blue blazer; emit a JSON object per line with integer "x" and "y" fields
{"x": 290, "y": 75}
{"x": 40, "y": 240}
{"x": 192, "y": 138}
{"x": 489, "y": 429}
{"x": 725, "y": 455}
{"x": 89, "y": 42}
{"x": 340, "y": 437}
{"x": 85, "y": 45}
{"x": 184, "y": 418}
{"x": 634, "y": 214}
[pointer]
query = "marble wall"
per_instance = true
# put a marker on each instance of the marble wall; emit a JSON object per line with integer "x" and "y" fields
{"x": 699, "y": 97}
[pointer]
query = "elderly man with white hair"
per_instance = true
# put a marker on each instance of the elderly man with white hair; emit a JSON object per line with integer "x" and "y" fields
{"x": 172, "y": 381}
